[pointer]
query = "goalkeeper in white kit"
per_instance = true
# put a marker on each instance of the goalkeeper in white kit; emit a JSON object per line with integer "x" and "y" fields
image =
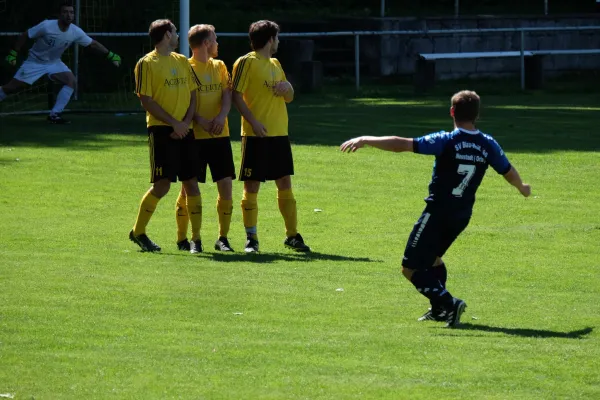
{"x": 52, "y": 37}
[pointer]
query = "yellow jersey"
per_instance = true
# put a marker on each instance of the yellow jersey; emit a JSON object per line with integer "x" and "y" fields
{"x": 168, "y": 80}
{"x": 213, "y": 78}
{"x": 255, "y": 76}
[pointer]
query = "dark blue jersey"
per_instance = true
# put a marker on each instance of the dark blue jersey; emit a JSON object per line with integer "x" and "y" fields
{"x": 461, "y": 160}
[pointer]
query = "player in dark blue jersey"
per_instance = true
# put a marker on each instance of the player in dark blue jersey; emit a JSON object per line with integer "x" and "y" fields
{"x": 461, "y": 160}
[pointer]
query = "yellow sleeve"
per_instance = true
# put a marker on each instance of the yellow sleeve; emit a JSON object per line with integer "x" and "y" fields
{"x": 143, "y": 78}
{"x": 225, "y": 78}
{"x": 276, "y": 61}
{"x": 194, "y": 82}
{"x": 241, "y": 73}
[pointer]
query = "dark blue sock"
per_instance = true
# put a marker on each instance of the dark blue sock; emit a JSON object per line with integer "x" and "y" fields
{"x": 441, "y": 273}
{"x": 429, "y": 286}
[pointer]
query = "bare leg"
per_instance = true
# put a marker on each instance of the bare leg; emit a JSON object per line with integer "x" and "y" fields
{"x": 224, "y": 187}
{"x": 13, "y": 86}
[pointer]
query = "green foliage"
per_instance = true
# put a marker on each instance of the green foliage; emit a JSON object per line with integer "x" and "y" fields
{"x": 83, "y": 315}
{"x": 231, "y": 15}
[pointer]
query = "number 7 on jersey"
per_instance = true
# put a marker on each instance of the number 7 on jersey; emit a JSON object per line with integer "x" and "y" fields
{"x": 467, "y": 171}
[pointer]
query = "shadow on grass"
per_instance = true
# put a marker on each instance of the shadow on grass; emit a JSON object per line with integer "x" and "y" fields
{"x": 8, "y": 161}
{"x": 520, "y": 124}
{"x": 534, "y": 122}
{"x": 85, "y": 132}
{"x": 265, "y": 258}
{"x": 525, "y": 332}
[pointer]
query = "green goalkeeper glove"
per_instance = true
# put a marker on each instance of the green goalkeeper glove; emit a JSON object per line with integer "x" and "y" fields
{"x": 11, "y": 58}
{"x": 115, "y": 58}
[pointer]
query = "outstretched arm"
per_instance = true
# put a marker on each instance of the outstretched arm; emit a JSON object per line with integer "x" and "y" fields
{"x": 97, "y": 46}
{"x": 11, "y": 58}
{"x": 21, "y": 41}
{"x": 513, "y": 177}
{"x": 389, "y": 143}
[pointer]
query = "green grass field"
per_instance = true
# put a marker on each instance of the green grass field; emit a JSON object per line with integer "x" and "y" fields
{"x": 84, "y": 315}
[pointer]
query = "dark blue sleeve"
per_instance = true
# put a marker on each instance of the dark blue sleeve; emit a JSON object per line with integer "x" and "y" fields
{"x": 432, "y": 144}
{"x": 497, "y": 158}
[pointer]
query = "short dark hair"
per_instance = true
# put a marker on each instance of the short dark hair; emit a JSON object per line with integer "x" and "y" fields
{"x": 261, "y": 32}
{"x": 66, "y": 3}
{"x": 158, "y": 29}
{"x": 198, "y": 34}
{"x": 466, "y": 105}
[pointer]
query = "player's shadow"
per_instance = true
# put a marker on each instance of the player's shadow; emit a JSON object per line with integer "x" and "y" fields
{"x": 525, "y": 332}
{"x": 266, "y": 258}
{"x": 7, "y": 161}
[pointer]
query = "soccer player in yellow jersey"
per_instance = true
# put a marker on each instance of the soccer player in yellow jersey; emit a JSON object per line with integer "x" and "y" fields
{"x": 211, "y": 130}
{"x": 167, "y": 90}
{"x": 260, "y": 92}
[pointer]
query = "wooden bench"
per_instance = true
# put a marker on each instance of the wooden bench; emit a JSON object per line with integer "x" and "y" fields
{"x": 457, "y": 56}
{"x": 533, "y": 71}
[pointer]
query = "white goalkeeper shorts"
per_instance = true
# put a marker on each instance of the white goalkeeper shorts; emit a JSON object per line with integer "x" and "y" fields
{"x": 31, "y": 71}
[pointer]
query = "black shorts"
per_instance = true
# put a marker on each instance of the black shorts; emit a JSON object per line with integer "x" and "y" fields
{"x": 431, "y": 237}
{"x": 215, "y": 154}
{"x": 171, "y": 158}
{"x": 266, "y": 158}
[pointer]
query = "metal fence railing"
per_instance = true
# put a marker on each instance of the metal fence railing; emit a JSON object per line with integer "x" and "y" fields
{"x": 357, "y": 35}
{"x": 543, "y": 6}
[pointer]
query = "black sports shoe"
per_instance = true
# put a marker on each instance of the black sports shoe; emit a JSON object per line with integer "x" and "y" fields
{"x": 144, "y": 242}
{"x": 222, "y": 244}
{"x": 433, "y": 315}
{"x": 455, "y": 312}
{"x": 183, "y": 245}
{"x": 251, "y": 245}
{"x": 196, "y": 246}
{"x": 296, "y": 243}
{"x": 57, "y": 119}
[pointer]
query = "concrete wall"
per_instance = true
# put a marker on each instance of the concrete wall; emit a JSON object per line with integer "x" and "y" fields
{"x": 397, "y": 54}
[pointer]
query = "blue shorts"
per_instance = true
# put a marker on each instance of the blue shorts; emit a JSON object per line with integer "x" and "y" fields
{"x": 431, "y": 237}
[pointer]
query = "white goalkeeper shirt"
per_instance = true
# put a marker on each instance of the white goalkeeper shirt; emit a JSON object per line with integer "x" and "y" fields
{"x": 51, "y": 42}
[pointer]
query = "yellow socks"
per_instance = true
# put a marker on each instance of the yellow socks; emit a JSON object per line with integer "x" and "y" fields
{"x": 194, "y": 208}
{"x": 224, "y": 210}
{"x": 181, "y": 217}
{"x": 147, "y": 207}
{"x": 287, "y": 207}
{"x": 249, "y": 210}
